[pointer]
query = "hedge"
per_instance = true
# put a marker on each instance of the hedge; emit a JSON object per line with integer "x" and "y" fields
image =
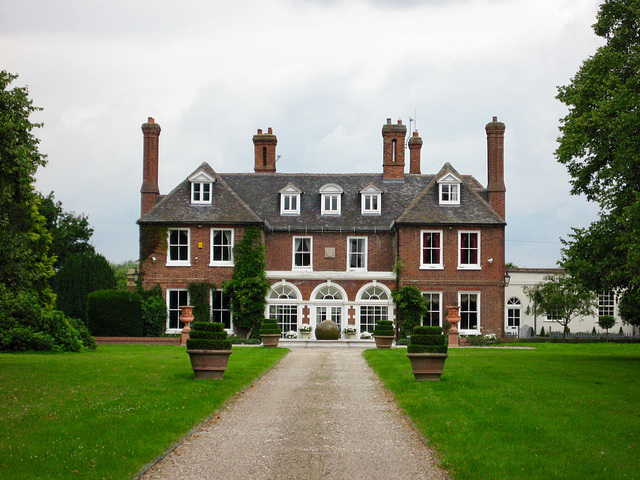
{"x": 114, "y": 313}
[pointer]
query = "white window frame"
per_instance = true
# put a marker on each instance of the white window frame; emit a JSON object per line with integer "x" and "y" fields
{"x": 290, "y": 200}
{"x": 219, "y": 310}
{"x": 470, "y": 266}
{"x": 290, "y": 204}
{"x": 283, "y": 303}
{"x": 470, "y": 330}
{"x": 431, "y": 266}
{"x": 606, "y": 303}
{"x": 379, "y": 306}
{"x": 179, "y": 263}
{"x": 223, "y": 263}
{"x": 449, "y": 190}
{"x": 373, "y": 199}
{"x": 309, "y": 267}
{"x": 513, "y": 305}
{"x": 175, "y": 311}
{"x": 198, "y": 182}
{"x": 331, "y": 200}
{"x": 204, "y": 194}
{"x": 372, "y": 195}
{"x": 429, "y": 295}
{"x": 364, "y": 254}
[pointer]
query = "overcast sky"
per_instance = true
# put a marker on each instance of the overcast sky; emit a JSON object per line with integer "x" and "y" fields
{"x": 324, "y": 74}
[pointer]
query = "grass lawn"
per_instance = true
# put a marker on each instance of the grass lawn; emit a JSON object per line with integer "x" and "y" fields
{"x": 105, "y": 414}
{"x": 555, "y": 412}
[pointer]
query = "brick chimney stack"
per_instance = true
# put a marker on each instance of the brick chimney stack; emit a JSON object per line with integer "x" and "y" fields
{"x": 265, "y": 151}
{"x": 495, "y": 165}
{"x": 415, "y": 144}
{"x": 393, "y": 150}
{"x": 149, "y": 190}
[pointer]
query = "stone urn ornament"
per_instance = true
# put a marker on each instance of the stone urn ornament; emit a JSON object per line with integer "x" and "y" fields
{"x": 453, "y": 317}
{"x": 186, "y": 317}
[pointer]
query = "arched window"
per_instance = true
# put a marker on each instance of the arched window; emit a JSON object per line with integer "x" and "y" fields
{"x": 514, "y": 313}
{"x": 375, "y": 302}
{"x": 329, "y": 292}
{"x": 283, "y": 305}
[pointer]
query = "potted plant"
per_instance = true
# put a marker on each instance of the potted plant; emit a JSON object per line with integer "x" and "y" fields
{"x": 209, "y": 349}
{"x": 427, "y": 352}
{"x": 291, "y": 335}
{"x": 305, "y": 331}
{"x": 383, "y": 333}
{"x": 270, "y": 332}
{"x": 350, "y": 331}
{"x": 365, "y": 336}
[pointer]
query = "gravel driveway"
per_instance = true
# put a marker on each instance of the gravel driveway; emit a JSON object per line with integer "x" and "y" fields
{"x": 321, "y": 413}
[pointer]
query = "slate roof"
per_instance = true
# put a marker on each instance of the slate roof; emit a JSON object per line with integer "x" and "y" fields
{"x": 253, "y": 198}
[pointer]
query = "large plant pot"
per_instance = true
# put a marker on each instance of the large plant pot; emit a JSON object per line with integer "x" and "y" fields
{"x": 383, "y": 341}
{"x": 270, "y": 340}
{"x": 209, "y": 363}
{"x": 427, "y": 366}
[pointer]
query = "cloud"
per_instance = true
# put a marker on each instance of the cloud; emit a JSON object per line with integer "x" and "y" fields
{"x": 324, "y": 74}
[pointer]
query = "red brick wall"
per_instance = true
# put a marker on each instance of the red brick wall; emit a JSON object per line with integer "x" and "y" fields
{"x": 279, "y": 252}
{"x": 452, "y": 280}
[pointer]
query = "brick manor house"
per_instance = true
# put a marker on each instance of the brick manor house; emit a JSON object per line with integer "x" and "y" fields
{"x": 336, "y": 244}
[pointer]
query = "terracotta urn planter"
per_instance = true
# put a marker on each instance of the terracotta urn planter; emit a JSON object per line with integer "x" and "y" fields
{"x": 427, "y": 352}
{"x": 270, "y": 340}
{"x": 270, "y": 333}
{"x": 209, "y": 350}
{"x": 209, "y": 363}
{"x": 427, "y": 366}
{"x": 383, "y": 334}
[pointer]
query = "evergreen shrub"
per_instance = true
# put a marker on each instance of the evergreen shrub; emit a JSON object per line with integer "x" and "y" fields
{"x": 384, "y": 328}
{"x": 208, "y": 336}
{"x": 114, "y": 313}
{"x": 270, "y": 327}
{"x": 427, "y": 340}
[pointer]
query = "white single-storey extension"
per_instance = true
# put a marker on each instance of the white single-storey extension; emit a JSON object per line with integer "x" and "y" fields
{"x": 518, "y": 307}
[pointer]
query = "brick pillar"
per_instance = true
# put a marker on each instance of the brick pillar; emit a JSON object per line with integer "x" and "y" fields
{"x": 495, "y": 165}
{"x": 264, "y": 145}
{"x": 393, "y": 150}
{"x": 149, "y": 191}
{"x": 415, "y": 144}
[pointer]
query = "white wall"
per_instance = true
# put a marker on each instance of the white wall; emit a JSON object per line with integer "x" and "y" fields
{"x": 521, "y": 277}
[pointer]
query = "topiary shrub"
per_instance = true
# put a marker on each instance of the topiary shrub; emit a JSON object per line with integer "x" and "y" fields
{"x": 427, "y": 340}
{"x": 384, "y": 328}
{"x": 208, "y": 336}
{"x": 270, "y": 327}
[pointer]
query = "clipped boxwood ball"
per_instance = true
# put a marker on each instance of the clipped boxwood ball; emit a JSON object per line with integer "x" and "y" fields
{"x": 328, "y": 330}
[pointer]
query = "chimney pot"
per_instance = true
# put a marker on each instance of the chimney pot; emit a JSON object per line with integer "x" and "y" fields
{"x": 399, "y": 121}
{"x": 270, "y": 131}
{"x": 259, "y": 131}
{"x": 265, "y": 151}
{"x": 388, "y": 121}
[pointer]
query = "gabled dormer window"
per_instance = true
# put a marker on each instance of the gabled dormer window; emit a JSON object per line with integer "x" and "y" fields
{"x": 449, "y": 190}
{"x": 201, "y": 186}
{"x": 290, "y": 200}
{"x": 331, "y": 199}
{"x": 371, "y": 200}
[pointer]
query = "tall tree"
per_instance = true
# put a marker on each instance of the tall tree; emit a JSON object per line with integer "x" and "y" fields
{"x": 71, "y": 233}
{"x": 79, "y": 275}
{"x": 600, "y": 146}
{"x": 248, "y": 286}
{"x": 25, "y": 262}
{"x": 561, "y": 299}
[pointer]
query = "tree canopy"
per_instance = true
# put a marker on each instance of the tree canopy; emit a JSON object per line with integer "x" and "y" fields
{"x": 561, "y": 299}
{"x": 25, "y": 262}
{"x": 70, "y": 232}
{"x": 28, "y": 320}
{"x": 600, "y": 146}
